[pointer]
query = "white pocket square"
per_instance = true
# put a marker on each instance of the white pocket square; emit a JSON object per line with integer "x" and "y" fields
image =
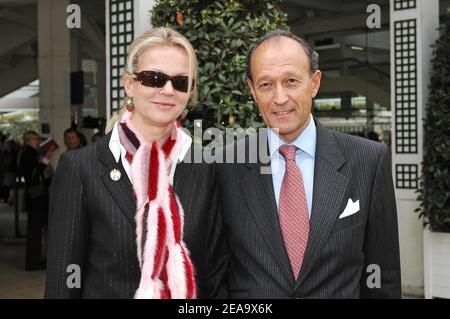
{"x": 350, "y": 209}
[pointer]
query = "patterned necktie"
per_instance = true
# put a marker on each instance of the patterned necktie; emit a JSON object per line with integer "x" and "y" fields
{"x": 293, "y": 214}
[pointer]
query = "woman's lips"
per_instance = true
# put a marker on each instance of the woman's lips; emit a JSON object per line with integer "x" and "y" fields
{"x": 163, "y": 105}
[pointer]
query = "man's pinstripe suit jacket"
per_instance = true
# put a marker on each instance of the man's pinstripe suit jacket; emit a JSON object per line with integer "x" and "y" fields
{"x": 343, "y": 255}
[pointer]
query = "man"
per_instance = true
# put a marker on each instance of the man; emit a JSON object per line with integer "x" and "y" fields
{"x": 323, "y": 222}
{"x": 72, "y": 139}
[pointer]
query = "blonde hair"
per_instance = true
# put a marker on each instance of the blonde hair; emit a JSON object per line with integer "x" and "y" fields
{"x": 28, "y": 135}
{"x": 150, "y": 39}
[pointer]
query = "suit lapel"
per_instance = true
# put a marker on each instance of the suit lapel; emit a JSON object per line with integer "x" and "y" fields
{"x": 185, "y": 172}
{"x": 258, "y": 191}
{"x": 328, "y": 193}
{"x": 121, "y": 190}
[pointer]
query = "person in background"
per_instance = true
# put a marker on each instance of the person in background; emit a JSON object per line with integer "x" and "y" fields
{"x": 373, "y": 136}
{"x": 37, "y": 172}
{"x": 3, "y": 190}
{"x": 83, "y": 140}
{"x": 72, "y": 139}
{"x": 11, "y": 151}
{"x": 96, "y": 137}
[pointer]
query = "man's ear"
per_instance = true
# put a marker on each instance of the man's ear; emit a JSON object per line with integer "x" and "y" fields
{"x": 316, "y": 77}
{"x": 128, "y": 84}
{"x": 252, "y": 89}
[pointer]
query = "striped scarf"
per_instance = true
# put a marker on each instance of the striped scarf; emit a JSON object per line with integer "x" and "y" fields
{"x": 166, "y": 269}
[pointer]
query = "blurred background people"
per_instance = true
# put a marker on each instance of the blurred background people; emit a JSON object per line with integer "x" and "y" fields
{"x": 83, "y": 139}
{"x": 96, "y": 137}
{"x": 372, "y": 135}
{"x": 10, "y": 152}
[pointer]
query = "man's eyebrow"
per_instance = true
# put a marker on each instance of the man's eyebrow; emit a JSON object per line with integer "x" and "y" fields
{"x": 288, "y": 73}
{"x": 262, "y": 78}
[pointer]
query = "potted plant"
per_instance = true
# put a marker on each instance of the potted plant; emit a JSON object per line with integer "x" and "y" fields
{"x": 434, "y": 191}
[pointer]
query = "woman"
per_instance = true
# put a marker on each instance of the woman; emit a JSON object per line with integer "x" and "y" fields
{"x": 118, "y": 229}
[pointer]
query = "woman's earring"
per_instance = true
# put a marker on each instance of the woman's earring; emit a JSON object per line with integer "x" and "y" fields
{"x": 130, "y": 105}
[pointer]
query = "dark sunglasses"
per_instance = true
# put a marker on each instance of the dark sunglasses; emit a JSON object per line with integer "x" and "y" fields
{"x": 158, "y": 80}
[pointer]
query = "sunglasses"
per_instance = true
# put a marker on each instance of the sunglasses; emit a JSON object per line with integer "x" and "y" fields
{"x": 158, "y": 80}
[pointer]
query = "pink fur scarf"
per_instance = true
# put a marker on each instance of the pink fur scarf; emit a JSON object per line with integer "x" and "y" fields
{"x": 166, "y": 269}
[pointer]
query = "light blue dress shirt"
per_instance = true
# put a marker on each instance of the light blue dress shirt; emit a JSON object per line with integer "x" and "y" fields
{"x": 304, "y": 158}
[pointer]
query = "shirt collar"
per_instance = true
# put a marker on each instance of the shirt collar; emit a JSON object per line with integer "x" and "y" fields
{"x": 185, "y": 144}
{"x": 117, "y": 148}
{"x": 306, "y": 141}
{"x": 114, "y": 143}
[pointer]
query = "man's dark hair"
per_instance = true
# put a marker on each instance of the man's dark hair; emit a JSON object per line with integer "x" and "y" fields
{"x": 71, "y": 130}
{"x": 312, "y": 55}
{"x": 95, "y": 136}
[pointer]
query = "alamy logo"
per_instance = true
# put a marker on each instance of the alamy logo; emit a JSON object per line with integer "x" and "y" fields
{"x": 74, "y": 279}
{"x": 374, "y": 19}
{"x": 374, "y": 279}
{"x": 74, "y": 19}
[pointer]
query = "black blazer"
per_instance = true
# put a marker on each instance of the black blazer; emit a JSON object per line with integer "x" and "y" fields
{"x": 339, "y": 251}
{"x": 33, "y": 172}
{"x": 92, "y": 225}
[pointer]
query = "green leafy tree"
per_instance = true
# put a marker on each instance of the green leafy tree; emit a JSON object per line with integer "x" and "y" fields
{"x": 221, "y": 31}
{"x": 434, "y": 193}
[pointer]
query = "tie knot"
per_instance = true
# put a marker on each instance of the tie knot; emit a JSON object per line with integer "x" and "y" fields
{"x": 288, "y": 152}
